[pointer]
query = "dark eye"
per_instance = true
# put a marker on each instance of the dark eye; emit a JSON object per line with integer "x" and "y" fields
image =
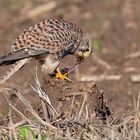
{"x": 87, "y": 50}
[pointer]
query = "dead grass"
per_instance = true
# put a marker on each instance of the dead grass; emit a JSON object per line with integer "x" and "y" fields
{"x": 57, "y": 126}
{"x": 54, "y": 126}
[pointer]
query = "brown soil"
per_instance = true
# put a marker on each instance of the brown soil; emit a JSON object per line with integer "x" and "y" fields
{"x": 114, "y": 23}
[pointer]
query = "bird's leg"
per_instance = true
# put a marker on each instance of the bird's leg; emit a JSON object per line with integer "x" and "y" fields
{"x": 60, "y": 75}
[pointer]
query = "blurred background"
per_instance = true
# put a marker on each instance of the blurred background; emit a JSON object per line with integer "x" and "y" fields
{"x": 114, "y": 28}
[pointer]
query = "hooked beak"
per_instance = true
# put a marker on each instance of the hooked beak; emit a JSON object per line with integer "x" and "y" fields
{"x": 80, "y": 58}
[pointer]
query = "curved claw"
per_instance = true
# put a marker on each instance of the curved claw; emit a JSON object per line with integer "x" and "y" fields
{"x": 61, "y": 76}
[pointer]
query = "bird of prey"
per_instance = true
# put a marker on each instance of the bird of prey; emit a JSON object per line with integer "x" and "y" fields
{"x": 47, "y": 42}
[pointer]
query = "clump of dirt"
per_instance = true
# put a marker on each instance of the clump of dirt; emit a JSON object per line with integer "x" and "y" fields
{"x": 70, "y": 97}
{"x": 81, "y": 100}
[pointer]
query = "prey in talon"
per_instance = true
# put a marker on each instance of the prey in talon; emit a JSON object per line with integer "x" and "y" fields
{"x": 64, "y": 72}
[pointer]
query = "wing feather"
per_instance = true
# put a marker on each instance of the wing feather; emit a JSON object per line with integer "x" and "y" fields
{"x": 12, "y": 57}
{"x": 50, "y": 36}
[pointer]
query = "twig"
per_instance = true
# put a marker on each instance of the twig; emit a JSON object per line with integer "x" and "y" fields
{"x": 41, "y": 8}
{"x": 11, "y": 125}
{"x": 87, "y": 113}
{"x": 130, "y": 69}
{"x": 134, "y": 55}
{"x": 101, "y": 77}
{"x": 13, "y": 107}
{"x": 72, "y": 104}
{"x": 20, "y": 123}
{"x": 135, "y": 78}
{"x": 82, "y": 106}
{"x": 26, "y": 103}
{"x": 44, "y": 97}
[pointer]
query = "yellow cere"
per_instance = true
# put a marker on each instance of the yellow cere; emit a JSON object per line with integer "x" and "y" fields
{"x": 87, "y": 53}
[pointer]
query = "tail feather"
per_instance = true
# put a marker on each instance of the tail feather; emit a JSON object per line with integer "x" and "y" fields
{"x": 5, "y": 61}
{"x": 2, "y": 63}
{"x": 14, "y": 68}
{"x": 10, "y": 58}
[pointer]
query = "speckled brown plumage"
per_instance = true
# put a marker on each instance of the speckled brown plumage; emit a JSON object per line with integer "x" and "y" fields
{"x": 50, "y": 35}
{"x": 48, "y": 42}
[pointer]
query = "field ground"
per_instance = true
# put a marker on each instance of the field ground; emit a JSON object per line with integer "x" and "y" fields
{"x": 114, "y": 64}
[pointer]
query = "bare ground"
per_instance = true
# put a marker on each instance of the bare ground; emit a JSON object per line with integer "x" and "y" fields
{"x": 115, "y": 62}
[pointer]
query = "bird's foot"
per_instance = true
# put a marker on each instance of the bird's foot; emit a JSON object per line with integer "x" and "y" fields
{"x": 62, "y": 74}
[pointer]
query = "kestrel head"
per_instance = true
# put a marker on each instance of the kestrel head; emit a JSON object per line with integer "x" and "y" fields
{"x": 84, "y": 50}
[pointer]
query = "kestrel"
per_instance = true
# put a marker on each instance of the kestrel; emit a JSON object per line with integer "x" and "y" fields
{"x": 47, "y": 42}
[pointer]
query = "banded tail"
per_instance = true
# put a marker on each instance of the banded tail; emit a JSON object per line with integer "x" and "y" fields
{"x": 17, "y": 59}
{"x": 14, "y": 68}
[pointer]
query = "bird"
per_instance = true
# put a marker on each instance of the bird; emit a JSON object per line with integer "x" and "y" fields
{"x": 47, "y": 42}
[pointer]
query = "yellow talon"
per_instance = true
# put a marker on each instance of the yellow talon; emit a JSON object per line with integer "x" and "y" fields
{"x": 61, "y": 76}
